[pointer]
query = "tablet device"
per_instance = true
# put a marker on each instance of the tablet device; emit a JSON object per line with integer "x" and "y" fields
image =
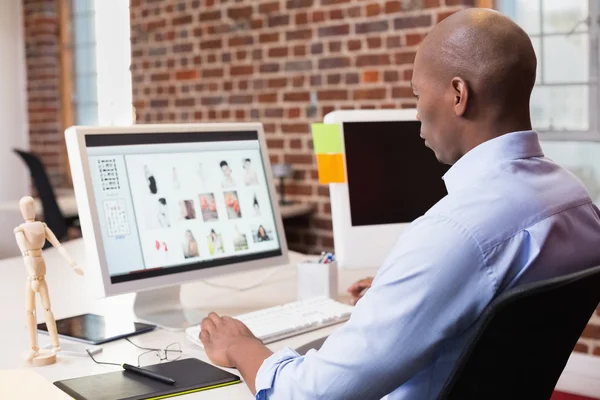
{"x": 95, "y": 329}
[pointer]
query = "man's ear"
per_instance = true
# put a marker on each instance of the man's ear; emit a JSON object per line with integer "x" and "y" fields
{"x": 461, "y": 95}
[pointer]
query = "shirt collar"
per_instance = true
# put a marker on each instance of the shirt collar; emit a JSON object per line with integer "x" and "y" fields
{"x": 510, "y": 146}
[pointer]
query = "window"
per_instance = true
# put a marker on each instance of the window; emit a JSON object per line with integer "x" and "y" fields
{"x": 564, "y": 34}
{"x": 102, "y": 58}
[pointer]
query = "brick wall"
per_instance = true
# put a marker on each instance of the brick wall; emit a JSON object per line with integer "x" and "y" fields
{"x": 285, "y": 63}
{"x": 43, "y": 85}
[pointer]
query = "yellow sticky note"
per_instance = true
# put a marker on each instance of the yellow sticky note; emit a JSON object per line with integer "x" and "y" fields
{"x": 331, "y": 168}
{"x": 327, "y": 138}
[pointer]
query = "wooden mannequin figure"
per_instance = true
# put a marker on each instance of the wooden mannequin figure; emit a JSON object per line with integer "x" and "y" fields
{"x": 31, "y": 236}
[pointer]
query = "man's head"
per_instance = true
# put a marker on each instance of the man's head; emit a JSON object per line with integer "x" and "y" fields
{"x": 473, "y": 75}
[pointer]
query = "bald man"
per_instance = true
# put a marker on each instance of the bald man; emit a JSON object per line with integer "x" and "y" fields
{"x": 511, "y": 216}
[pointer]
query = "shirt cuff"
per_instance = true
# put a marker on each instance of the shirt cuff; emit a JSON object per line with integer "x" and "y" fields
{"x": 265, "y": 377}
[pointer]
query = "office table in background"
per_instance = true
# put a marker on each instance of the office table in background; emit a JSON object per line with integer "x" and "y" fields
{"x": 70, "y": 296}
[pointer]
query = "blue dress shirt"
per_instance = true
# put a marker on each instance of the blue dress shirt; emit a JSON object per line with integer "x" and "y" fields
{"x": 511, "y": 216}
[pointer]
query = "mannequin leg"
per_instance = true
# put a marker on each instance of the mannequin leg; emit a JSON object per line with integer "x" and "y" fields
{"x": 49, "y": 317}
{"x": 31, "y": 323}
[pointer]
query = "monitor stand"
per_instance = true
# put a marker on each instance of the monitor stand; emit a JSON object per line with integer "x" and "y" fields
{"x": 162, "y": 307}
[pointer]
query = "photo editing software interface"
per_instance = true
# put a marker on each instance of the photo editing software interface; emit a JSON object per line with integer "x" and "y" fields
{"x": 394, "y": 178}
{"x": 175, "y": 202}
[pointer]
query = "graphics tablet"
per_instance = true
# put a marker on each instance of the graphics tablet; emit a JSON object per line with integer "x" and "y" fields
{"x": 95, "y": 329}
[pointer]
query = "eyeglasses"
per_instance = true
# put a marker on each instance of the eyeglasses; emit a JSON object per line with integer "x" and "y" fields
{"x": 151, "y": 356}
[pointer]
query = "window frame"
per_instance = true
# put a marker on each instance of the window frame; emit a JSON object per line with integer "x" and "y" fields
{"x": 593, "y": 133}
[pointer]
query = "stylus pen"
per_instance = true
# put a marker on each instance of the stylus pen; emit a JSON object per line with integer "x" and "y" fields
{"x": 148, "y": 374}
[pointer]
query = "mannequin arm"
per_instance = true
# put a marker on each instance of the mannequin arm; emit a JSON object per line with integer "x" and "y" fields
{"x": 22, "y": 243}
{"x": 54, "y": 241}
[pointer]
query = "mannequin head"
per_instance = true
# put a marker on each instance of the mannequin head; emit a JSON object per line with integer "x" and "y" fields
{"x": 27, "y": 206}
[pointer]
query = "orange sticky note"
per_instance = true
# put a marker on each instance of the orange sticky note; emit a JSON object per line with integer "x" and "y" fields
{"x": 331, "y": 168}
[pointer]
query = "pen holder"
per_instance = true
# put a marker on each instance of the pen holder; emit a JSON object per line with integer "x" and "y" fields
{"x": 315, "y": 279}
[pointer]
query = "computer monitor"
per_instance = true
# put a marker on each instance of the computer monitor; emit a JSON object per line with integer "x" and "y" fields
{"x": 392, "y": 178}
{"x": 163, "y": 205}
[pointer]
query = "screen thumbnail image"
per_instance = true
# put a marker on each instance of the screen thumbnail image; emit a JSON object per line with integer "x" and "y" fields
{"x": 240, "y": 241}
{"x": 158, "y": 251}
{"x": 156, "y": 213}
{"x": 232, "y": 205}
{"x": 261, "y": 233}
{"x": 250, "y": 175}
{"x": 227, "y": 180}
{"x": 208, "y": 207}
{"x": 187, "y": 209}
{"x": 215, "y": 243}
{"x": 151, "y": 180}
{"x": 189, "y": 244}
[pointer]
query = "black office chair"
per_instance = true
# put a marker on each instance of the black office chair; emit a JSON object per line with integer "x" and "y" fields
{"x": 53, "y": 216}
{"x": 524, "y": 338}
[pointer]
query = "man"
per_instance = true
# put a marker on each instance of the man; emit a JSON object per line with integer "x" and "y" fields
{"x": 511, "y": 216}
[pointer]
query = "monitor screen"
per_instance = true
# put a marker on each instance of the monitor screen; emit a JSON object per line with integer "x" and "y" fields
{"x": 174, "y": 202}
{"x": 392, "y": 176}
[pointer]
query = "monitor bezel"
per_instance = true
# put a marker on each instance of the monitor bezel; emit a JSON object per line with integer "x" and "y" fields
{"x": 97, "y": 274}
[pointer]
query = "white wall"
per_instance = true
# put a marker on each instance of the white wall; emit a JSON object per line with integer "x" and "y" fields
{"x": 14, "y": 178}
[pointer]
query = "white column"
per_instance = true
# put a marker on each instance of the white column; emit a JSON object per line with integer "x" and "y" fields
{"x": 14, "y": 177}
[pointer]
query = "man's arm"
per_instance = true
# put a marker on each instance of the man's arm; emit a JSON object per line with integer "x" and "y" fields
{"x": 432, "y": 287}
{"x": 54, "y": 241}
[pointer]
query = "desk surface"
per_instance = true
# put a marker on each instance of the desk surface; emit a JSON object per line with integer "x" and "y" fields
{"x": 69, "y": 297}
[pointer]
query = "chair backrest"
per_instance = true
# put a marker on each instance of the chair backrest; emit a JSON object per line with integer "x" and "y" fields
{"x": 524, "y": 338}
{"x": 53, "y": 217}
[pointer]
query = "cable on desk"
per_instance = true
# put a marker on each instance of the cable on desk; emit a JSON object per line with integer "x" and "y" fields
{"x": 243, "y": 288}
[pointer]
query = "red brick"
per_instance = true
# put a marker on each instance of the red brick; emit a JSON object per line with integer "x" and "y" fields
{"x": 318, "y": 16}
{"x": 443, "y": 15}
{"x": 277, "y": 83}
{"x": 241, "y": 70}
{"x": 267, "y": 98}
{"x": 402, "y": 92}
{"x": 273, "y": 113}
{"x": 296, "y": 144}
{"x": 295, "y": 128}
{"x": 303, "y": 34}
{"x": 331, "y": 2}
{"x": 279, "y": 20}
{"x": 334, "y": 79}
{"x": 335, "y": 30}
{"x": 300, "y": 50}
{"x": 189, "y": 102}
{"x": 407, "y": 75}
{"x": 291, "y": 4}
{"x": 298, "y": 81}
{"x": 391, "y": 76}
{"x": 370, "y": 27}
{"x": 373, "y": 60}
{"x": 352, "y": 78}
{"x": 404, "y": 57}
{"x": 354, "y": 12}
{"x": 370, "y": 76}
{"x": 354, "y": 45}
{"x": 268, "y": 8}
{"x": 413, "y": 39}
{"x": 323, "y": 224}
{"x": 268, "y": 68}
{"x": 296, "y": 96}
{"x": 164, "y": 76}
{"x": 591, "y": 332}
{"x": 298, "y": 188}
{"x": 412, "y": 22}
{"x": 336, "y": 14}
{"x": 184, "y": 19}
{"x": 373, "y": 9}
{"x": 327, "y": 95}
{"x": 277, "y": 52}
{"x": 301, "y": 18}
{"x": 583, "y": 348}
{"x": 369, "y": 94}
{"x": 186, "y": 74}
{"x": 323, "y": 191}
{"x": 306, "y": 159}
{"x": 431, "y": 3}
{"x": 210, "y": 16}
{"x": 393, "y": 7}
{"x": 460, "y": 3}
{"x": 211, "y": 44}
{"x": 293, "y": 113}
{"x": 241, "y": 99}
{"x": 240, "y": 12}
{"x": 153, "y": 25}
{"x": 334, "y": 62}
{"x": 241, "y": 41}
{"x": 374, "y": 42}
{"x": 335, "y": 47}
{"x": 275, "y": 143}
{"x": 268, "y": 37}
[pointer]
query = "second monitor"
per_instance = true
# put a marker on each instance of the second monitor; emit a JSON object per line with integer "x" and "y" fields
{"x": 392, "y": 179}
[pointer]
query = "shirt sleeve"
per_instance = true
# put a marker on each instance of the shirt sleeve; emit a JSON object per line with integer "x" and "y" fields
{"x": 433, "y": 285}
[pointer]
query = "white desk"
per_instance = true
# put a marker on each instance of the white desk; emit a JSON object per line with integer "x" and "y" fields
{"x": 69, "y": 296}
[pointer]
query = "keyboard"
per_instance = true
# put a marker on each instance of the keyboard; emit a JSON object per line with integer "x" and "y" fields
{"x": 286, "y": 320}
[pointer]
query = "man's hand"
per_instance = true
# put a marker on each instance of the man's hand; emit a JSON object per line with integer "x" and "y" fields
{"x": 229, "y": 343}
{"x": 358, "y": 289}
{"x": 220, "y": 334}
